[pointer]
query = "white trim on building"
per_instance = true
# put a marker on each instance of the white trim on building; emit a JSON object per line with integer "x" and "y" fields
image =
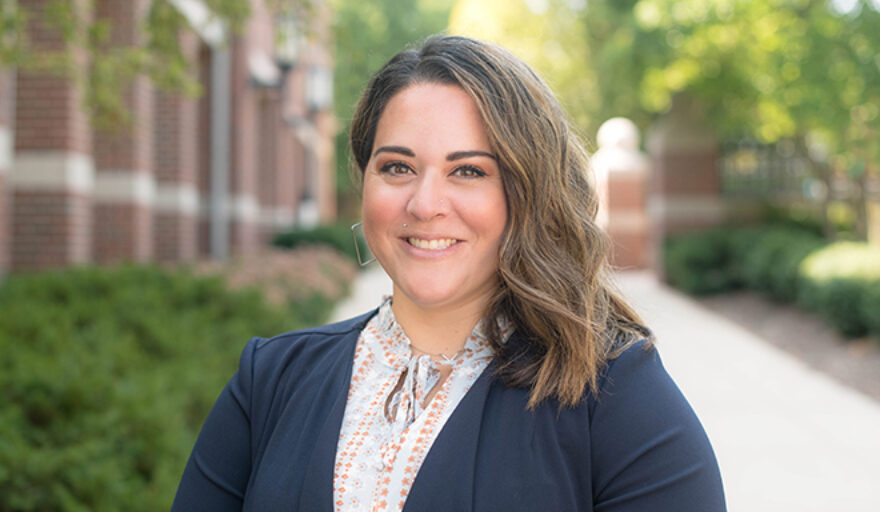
{"x": 7, "y": 151}
{"x": 176, "y": 198}
{"x": 199, "y": 16}
{"x": 245, "y": 208}
{"x": 124, "y": 186}
{"x": 53, "y": 171}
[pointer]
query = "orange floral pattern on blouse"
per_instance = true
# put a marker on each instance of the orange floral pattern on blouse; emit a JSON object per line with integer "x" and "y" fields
{"x": 387, "y": 428}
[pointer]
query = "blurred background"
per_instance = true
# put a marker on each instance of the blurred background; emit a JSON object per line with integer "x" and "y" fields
{"x": 174, "y": 178}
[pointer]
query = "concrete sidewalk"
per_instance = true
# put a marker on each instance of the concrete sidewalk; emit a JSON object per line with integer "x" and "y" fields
{"x": 788, "y": 439}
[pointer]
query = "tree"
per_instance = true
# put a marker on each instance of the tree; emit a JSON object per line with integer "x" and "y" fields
{"x": 111, "y": 67}
{"x": 804, "y": 70}
{"x": 547, "y": 34}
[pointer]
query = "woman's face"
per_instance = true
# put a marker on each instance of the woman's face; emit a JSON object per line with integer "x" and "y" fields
{"x": 434, "y": 209}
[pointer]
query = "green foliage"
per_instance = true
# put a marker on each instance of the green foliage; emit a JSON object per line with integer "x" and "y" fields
{"x": 368, "y": 33}
{"x": 107, "y": 375}
{"x": 802, "y": 217}
{"x": 337, "y": 236}
{"x": 112, "y": 67}
{"x": 779, "y": 69}
{"x": 724, "y": 259}
{"x": 835, "y": 267}
{"x": 700, "y": 263}
{"x": 547, "y": 35}
{"x": 772, "y": 263}
{"x": 841, "y": 301}
{"x": 769, "y": 69}
{"x": 843, "y": 260}
{"x": 839, "y": 281}
{"x": 870, "y": 308}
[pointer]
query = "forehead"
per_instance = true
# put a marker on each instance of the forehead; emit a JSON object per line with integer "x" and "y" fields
{"x": 431, "y": 113}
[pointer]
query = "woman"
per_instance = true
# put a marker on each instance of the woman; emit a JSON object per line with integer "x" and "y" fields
{"x": 504, "y": 373}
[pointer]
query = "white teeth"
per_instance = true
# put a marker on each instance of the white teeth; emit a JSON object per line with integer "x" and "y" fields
{"x": 431, "y": 245}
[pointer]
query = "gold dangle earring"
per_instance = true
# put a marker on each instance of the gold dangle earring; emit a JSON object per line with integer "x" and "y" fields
{"x": 357, "y": 248}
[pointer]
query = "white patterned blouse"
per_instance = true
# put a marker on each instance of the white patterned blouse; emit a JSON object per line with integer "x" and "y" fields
{"x": 388, "y": 429}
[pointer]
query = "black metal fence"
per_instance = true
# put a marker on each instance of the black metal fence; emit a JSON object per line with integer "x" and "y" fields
{"x": 751, "y": 170}
{"x": 778, "y": 172}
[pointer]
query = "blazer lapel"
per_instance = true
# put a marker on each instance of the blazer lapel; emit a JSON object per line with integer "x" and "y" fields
{"x": 446, "y": 479}
{"x": 317, "y": 486}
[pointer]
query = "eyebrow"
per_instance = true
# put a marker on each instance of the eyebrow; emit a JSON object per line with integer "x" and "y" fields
{"x": 458, "y": 155}
{"x": 395, "y": 149}
{"x": 455, "y": 155}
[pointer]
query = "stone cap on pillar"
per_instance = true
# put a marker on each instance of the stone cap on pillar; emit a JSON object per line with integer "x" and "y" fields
{"x": 620, "y": 133}
{"x": 618, "y": 152}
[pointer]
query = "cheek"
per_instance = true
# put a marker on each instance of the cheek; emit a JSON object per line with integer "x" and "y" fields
{"x": 488, "y": 215}
{"x": 378, "y": 211}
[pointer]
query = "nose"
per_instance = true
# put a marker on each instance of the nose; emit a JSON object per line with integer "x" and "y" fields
{"x": 428, "y": 197}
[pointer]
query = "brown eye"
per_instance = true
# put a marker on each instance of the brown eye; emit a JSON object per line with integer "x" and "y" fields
{"x": 395, "y": 169}
{"x": 469, "y": 171}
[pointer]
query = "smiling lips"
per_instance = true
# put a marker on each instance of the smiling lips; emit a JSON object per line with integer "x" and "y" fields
{"x": 432, "y": 245}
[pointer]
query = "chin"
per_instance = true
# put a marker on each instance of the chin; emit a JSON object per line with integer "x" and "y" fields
{"x": 443, "y": 294}
{"x": 428, "y": 298}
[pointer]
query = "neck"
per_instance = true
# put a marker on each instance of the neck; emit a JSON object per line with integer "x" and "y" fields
{"x": 437, "y": 331}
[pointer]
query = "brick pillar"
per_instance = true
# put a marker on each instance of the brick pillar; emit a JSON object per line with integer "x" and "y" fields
{"x": 53, "y": 170}
{"x": 243, "y": 173}
{"x": 622, "y": 179}
{"x": 686, "y": 189}
{"x": 176, "y": 158}
{"x": 124, "y": 182}
{"x": 7, "y": 117}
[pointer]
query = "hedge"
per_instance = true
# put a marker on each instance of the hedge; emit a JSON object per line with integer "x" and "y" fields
{"x": 835, "y": 283}
{"x": 837, "y": 280}
{"x": 108, "y": 374}
{"x": 337, "y": 236}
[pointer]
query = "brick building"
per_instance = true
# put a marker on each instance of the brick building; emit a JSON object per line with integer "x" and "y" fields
{"x": 188, "y": 177}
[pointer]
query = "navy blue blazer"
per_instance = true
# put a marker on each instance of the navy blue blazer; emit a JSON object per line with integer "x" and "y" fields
{"x": 269, "y": 443}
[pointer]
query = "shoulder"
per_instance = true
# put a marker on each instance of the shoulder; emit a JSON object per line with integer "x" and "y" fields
{"x": 312, "y": 340}
{"x": 636, "y": 385}
{"x": 637, "y": 365}
{"x": 297, "y": 354}
{"x": 647, "y": 444}
{"x": 292, "y": 366}
{"x": 324, "y": 332}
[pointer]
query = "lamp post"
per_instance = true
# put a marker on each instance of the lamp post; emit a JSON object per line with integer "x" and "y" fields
{"x": 288, "y": 42}
{"x": 289, "y": 45}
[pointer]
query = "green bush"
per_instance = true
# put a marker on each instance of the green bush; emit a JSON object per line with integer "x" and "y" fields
{"x": 801, "y": 217}
{"x": 870, "y": 308}
{"x": 107, "y": 376}
{"x": 772, "y": 263}
{"x": 839, "y": 301}
{"x": 838, "y": 281}
{"x": 842, "y": 260}
{"x": 700, "y": 263}
{"x": 337, "y": 236}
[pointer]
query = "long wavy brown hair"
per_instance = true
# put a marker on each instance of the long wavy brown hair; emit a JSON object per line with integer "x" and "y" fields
{"x": 553, "y": 269}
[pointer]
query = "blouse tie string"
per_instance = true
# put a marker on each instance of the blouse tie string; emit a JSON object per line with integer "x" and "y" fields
{"x": 418, "y": 375}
